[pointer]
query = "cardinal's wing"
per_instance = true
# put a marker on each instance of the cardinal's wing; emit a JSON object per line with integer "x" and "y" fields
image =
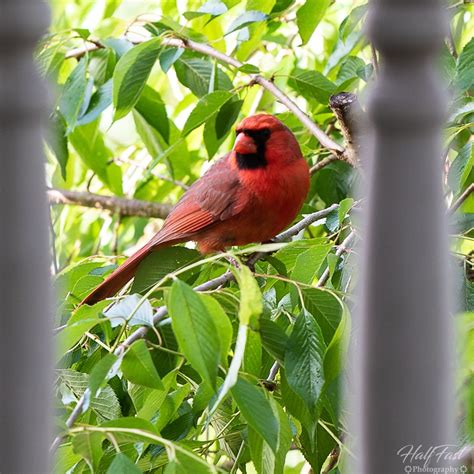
{"x": 216, "y": 196}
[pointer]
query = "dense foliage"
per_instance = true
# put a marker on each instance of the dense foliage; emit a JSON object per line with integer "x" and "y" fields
{"x": 137, "y": 118}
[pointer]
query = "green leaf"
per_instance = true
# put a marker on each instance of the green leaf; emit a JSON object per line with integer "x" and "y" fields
{"x": 49, "y": 59}
{"x": 274, "y": 339}
{"x": 212, "y": 7}
{"x": 326, "y": 308}
{"x": 65, "y": 458}
{"x": 251, "y": 304}
{"x": 89, "y": 446}
{"x": 84, "y": 33}
{"x": 308, "y": 263}
{"x": 119, "y": 45}
{"x": 222, "y": 323}
{"x": 195, "y": 330}
{"x": 351, "y": 21}
{"x": 249, "y": 69}
{"x": 217, "y": 129}
{"x": 308, "y": 17}
{"x": 296, "y": 406}
{"x": 195, "y": 74}
{"x": 205, "y": 109}
{"x": 161, "y": 263}
{"x": 344, "y": 206}
{"x": 101, "y": 372}
{"x": 57, "y": 141}
{"x": 264, "y": 459}
{"x": 337, "y": 348}
{"x": 460, "y": 168}
{"x": 131, "y": 74}
{"x": 245, "y": 19}
{"x": 73, "y": 93}
{"x": 127, "y": 310}
{"x": 252, "y": 363}
{"x": 257, "y": 411}
{"x": 106, "y": 404}
{"x": 168, "y": 57}
{"x": 138, "y": 368}
{"x": 170, "y": 406}
{"x": 84, "y": 319}
{"x": 465, "y": 71}
{"x": 141, "y": 427}
{"x": 152, "y": 108}
{"x": 289, "y": 254}
{"x": 100, "y": 100}
{"x": 90, "y": 146}
{"x": 312, "y": 85}
{"x": 123, "y": 465}
{"x": 304, "y": 359}
{"x": 349, "y": 71}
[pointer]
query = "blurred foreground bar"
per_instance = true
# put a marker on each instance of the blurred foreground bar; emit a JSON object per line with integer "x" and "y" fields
{"x": 25, "y": 329}
{"x": 403, "y": 377}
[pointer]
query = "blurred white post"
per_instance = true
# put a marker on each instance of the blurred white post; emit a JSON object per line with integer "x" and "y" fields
{"x": 403, "y": 374}
{"x": 26, "y": 322}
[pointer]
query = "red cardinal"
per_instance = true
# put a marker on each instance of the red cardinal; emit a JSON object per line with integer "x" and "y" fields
{"x": 249, "y": 195}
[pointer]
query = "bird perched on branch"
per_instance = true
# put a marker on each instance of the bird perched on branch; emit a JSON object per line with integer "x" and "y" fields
{"x": 249, "y": 195}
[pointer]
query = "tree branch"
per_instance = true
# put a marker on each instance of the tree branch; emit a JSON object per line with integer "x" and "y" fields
{"x": 122, "y": 206}
{"x": 213, "y": 284}
{"x": 207, "y": 50}
{"x": 324, "y": 162}
{"x": 351, "y": 118}
{"x": 456, "y": 204}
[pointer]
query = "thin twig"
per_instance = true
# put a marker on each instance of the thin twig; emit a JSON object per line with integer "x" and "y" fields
{"x": 53, "y": 241}
{"x": 213, "y": 284}
{"x": 163, "y": 177}
{"x": 340, "y": 250}
{"x": 122, "y": 206}
{"x": 324, "y": 162}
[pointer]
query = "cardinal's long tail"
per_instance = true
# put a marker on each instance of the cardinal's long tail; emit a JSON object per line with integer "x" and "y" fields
{"x": 123, "y": 274}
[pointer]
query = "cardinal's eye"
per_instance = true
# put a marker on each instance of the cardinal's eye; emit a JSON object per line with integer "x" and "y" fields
{"x": 265, "y": 132}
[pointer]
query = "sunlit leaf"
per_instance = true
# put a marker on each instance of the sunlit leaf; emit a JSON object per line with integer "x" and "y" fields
{"x": 131, "y": 74}
{"x": 206, "y": 108}
{"x": 246, "y": 19}
{"x": 211, "y": 7}
{"x": 308, "y": 17}
{"x": 195, "y": 330}
{"x": 73, "y": 94}
{"x": 312, "y": 85}
{"x": 130, "y": 310}
{"x": 195, "y": 74}
{"x": 152, "y": 108}
{"x": 100, "y": 100}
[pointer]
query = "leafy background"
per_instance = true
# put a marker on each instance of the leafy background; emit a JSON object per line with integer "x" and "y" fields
{"x": 135, "y": 118}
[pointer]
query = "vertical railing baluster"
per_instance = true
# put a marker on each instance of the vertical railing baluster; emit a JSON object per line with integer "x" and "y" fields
{"x": 25, "y": 329}
{"x": 403, "y": 375}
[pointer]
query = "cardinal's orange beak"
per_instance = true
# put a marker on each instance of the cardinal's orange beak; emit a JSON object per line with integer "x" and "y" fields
{"x": 244, "y": 144}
